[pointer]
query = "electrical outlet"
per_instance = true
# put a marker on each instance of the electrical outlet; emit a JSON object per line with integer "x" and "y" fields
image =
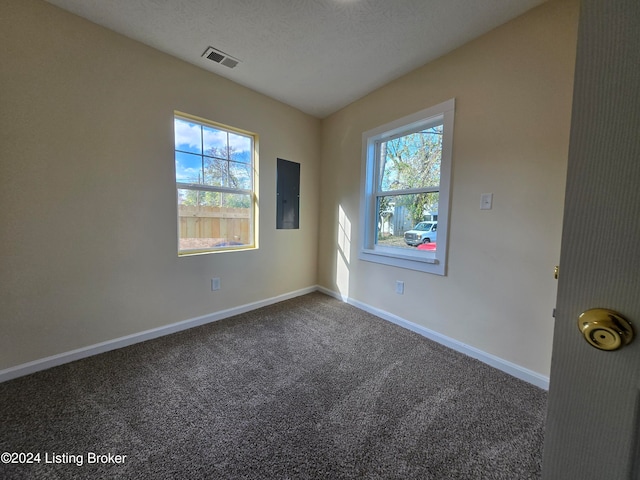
{"x": 215, "y": 284}
{"x": 399, "y": 287}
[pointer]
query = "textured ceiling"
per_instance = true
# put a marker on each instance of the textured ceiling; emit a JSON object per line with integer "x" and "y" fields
{"x": 316, "y": 55}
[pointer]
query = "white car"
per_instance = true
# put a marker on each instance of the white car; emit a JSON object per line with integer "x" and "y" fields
{"x": 424, "y": 232}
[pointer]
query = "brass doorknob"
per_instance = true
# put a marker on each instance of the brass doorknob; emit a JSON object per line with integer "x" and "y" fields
{"x": 605, "y": 329}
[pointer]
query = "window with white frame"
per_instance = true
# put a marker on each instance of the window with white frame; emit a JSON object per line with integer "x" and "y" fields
{"x": 215, "y": 187}
{"x": 406, "y": 173}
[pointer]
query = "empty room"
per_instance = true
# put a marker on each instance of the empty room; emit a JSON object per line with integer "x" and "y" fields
{"x": 319, "y": 239}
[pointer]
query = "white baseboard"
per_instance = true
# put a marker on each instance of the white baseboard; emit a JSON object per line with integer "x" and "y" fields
{"x": 66, "y": 357}
{"x": 508, "y": 367}
{"x": 84, "y": 352}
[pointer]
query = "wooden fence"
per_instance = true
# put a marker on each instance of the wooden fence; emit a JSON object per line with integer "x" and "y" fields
{"x": 204, "y": 226}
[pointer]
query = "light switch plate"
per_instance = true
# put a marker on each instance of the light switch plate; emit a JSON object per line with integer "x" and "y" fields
{"x": 486, "y": 201}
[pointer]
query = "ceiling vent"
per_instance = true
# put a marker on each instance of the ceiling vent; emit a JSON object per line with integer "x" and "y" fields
{"x": 220, "y": 57}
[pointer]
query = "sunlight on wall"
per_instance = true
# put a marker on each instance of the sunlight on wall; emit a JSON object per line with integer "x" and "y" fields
{"x": 344, "y": 253}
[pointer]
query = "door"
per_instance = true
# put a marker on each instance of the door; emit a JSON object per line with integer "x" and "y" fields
{"x": 593, "y": 417}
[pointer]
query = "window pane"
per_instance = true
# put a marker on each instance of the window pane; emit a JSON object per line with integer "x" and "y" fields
{"x": 188, "y": 136}
{"x": 215, "y": 172}
{"x": 209, "y": 220}
{"x": 240, "y": 148}
{"x": 239, "y": 175}
{"x": 215, "y": 142}
{"x": 408, "y": 221}
{"x": 188, "y": 168}
{"x": 411, "y": 161}
{"x": 236, "y": 201}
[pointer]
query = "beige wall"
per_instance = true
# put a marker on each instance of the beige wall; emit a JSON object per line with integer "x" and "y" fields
{"x": 513, "y": 91}
{"x": 87, "y": 193}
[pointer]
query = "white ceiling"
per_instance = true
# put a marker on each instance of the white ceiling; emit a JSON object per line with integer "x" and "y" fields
{"x": 316, "y": 55}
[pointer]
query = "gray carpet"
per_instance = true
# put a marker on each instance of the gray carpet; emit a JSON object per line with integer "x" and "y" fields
{"x": 310, "y": 388}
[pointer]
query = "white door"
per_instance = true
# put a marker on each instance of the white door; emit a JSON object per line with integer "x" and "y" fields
{"x": 593, "y": 419}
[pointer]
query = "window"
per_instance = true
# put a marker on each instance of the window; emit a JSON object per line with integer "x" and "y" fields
{"x": 405, "y": 190}
{"x": 215, "y": 186}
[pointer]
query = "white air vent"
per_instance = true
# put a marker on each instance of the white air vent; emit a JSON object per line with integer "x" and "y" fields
{"x": 220, "y": 57}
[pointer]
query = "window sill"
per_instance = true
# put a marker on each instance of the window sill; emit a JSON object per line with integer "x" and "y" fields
{"x": 189, "y": 253}
{"x": 422, "y": 263}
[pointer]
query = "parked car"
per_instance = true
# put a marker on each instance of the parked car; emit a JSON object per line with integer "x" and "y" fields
{"x": 423, "y": 232}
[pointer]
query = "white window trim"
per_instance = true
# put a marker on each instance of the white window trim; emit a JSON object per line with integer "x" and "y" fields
{"x": 399, "y": 257}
